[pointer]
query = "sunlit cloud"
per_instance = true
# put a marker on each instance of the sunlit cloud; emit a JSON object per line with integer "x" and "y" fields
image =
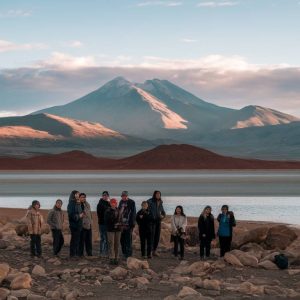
{"x": 4, "y": 113}
{"x": 6, "y": 46}
{"x": 188, "y": 40}
{"x": 213, "y": 4}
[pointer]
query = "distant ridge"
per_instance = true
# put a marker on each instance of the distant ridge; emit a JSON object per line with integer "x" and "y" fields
{"x": 164, "y": 157}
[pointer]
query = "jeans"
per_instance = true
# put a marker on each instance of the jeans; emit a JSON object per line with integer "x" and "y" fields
{"x": 155, "y": 231}
{"x": 103, "y": 240}
{"x": 86, "y": 242}
{"x": 113, "y": 243}
{"x": 145, "y": 236}
{"x": 180, "y": 241}
{"x": 225, "y": 244}
{"x": 35, "y": 245}
{"x": 126, "y": 242}
{"x": 205, "y": 245}
{"x": 75, "y": 240}
{"x": 58, "y": 240}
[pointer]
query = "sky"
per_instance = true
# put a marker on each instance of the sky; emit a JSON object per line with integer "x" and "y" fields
{"x": 231, "y": 53}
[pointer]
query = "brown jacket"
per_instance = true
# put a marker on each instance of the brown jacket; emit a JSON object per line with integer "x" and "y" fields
{"x": 34, "y": 221}
{"x": 55, "y": 218}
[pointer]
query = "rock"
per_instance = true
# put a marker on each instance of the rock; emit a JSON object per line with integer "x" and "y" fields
{"x": 38, "y": 270}
{"x": 268, "y": 265}
{"x": 182, "y": 268}
{"x": 181, "y": 279}
{"x": 22, "y": 281}
{"x": 212, "y": 284}
{"x": 253, "y": 249}
{"x": 270, "y": 256}
{"x": 280, "y": 236}
{"x": 245, "y": 258}
{"x": 140, "y": 282}
{"x": 273, "y": 290}
{"x": 136, "y": 264}
{"x": 53, "y": 295}
{"x": 4, "y": 270}
{"x": 232, "y": 259}
{"x": 250, "y": 289}
{"x": 187, "y": 291}
{"x": 293, "y": 271}
{"x": 4, "y": 293}
{"x": 22, "y": 293}
{"x": 198, "y": 267}
{"x": 3, "y": 244}
{"x": 118, "y": 273}
{"x": 35, "y": 297}
{"x": 21, "y": 229}
{"x": 192, "y": 236}
{"x": 72, "y": 295}
{"x": 107, "y": 279}
{"x": 256, "y": 235}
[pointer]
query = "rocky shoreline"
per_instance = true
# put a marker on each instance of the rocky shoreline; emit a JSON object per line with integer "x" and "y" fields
{"x": 247, "y": 272}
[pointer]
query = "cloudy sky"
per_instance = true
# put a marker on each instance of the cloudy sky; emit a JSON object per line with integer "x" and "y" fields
{"x": 232, "y": 53}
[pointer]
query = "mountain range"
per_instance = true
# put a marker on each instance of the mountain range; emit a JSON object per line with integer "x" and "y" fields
{"x": 122, "y": 118}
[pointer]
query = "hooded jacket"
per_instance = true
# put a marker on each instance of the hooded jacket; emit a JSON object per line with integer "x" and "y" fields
{"x": 56, "y": 218}
{"x": 74, "y": 211}
{"x": 34, "y": 221}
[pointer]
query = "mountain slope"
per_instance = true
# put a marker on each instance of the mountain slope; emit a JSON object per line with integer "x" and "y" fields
{"x": 160, "y": 109}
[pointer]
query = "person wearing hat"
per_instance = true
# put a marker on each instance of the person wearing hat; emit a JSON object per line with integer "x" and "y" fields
{"x": 112, "y": 222}
{"x": 34, "y": 223}
{"x": 56, "y": 221}
{"x": 102, "y": 206}
{"x": 127, "y": 219}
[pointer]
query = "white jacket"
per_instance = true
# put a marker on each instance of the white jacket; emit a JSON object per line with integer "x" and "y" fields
{"x": 178, "y": 222}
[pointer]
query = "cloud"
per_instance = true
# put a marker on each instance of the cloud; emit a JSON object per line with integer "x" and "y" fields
{"x": 160, "y": 3}
{"x": 213, "y": 4}
{"x": 188, "y": 40}
{"x": 4, "y": 113}
{"x": 14, "y": 13}
{"x": 6, "y": 46}
{"x": 74, "y": 44}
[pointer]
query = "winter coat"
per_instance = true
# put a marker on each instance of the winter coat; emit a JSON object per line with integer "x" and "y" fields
{"x": 55, "y": 218}
{"x": 87, "y": 220}
{"x": 112, "y": 219}
{"x": 206, "y": 226}
{"x": 156, "y": 209}
{"x": 34, "y": 221}
{"x": 146, "y": 220}
{"x": 127, "y": 213}
{"x": 74, "y": 211}
{"x": 232, "y": 222}
{"x": 178, "y": 224}
{"x": 102, "y": 206}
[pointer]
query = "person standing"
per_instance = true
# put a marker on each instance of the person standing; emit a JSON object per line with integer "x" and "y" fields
{"x": 86, "y": 239}
{"x": 75, "y": 214}
{"x": 102, "y": 206}
{"x": 127, "y": 218}
{"x": 178, "y": 227}
{"x": 143, "y": 219}
{"x": 34, "y": 223}
{"x": 112, "y": 222}
{"x": 158, "y": 214}
{"x": 56, "y": 221}
{"x": 226, "y": 221}
{"x": 206, "y": 227}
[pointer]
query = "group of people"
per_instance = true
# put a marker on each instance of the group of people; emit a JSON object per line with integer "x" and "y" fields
{"x": 116, "y": 224}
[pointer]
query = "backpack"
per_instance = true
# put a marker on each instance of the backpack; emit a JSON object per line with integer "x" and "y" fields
{"x": 281, "y": 261}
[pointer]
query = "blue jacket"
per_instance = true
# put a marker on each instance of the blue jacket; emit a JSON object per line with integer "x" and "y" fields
{"x": 157, "y": 212}
{"x": 74, "y": 211}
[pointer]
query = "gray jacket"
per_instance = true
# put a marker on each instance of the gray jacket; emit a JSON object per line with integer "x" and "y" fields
{"x": 55, "y": 218}
{"x": 87, "y": 220}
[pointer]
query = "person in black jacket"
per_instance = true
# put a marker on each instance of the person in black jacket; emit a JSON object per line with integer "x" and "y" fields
{"x": 128, "y": 219}
{"x": 102, "y": 206}
{"x": 75, "y": 215}
{"x": 143, "y": 218}
{"x": 206, "y": 227}
{"x": 226, "y": 223}
{"x": 158, "y": 214}
{"x": 112, "y": 222}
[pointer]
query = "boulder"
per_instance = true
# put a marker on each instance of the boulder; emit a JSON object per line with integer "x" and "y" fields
{"x": 38, "y": 270}
{"x": 22, "y": 281}
{"x": 250, "y": 289}
{"x": 212, "y": 284}
{"x": 245, "y": 258}
{"x": 187, "y": 291}
{"x": 270, "y": 256}
{"x": 21, "y": 229}
{"x": 268, "y": 265}
{"x": 22, "y": 293}
{"x": 192, "y": 236}
{"x": 4, "y": 293}
{"x": 257, "y": 235}
{"x": 35, "y": 297}
{"x": 4, "y": 270}
{"x": 136, "y": 264}
{"x": 139, "y": 282}
{"x": 118, "y": 273}
{"x": 198, "y": 267}
{"x": 253, "y": 249}
{"x": 232, "y": 260}
{"x": 280, "y": 237}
